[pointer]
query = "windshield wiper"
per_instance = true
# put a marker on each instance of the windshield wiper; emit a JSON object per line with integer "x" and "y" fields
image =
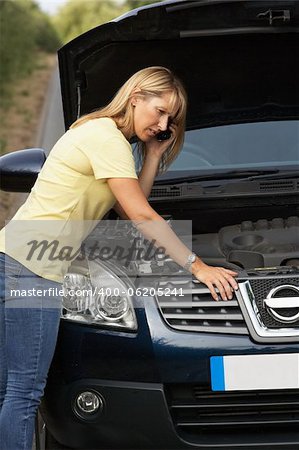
{"x": 239, "y": 174}
{"x": 281, "y": 174}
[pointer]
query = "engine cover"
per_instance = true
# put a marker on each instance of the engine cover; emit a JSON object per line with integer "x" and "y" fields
{"x": 264, "y": 243}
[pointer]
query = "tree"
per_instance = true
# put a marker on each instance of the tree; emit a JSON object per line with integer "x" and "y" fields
{"x": 132, "y": 4}
{"x": 79, "y": 16}
{"x": 24, "y": 29}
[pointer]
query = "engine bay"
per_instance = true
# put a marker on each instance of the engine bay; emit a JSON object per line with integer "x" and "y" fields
{"x": 258, "y": 244}
{"x": 248, "y": 245}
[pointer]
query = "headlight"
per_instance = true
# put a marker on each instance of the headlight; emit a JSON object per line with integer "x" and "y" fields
{"x": 99, "y": 297}
{"x": 112, "y": 307}
{"x": 77, "y": 292}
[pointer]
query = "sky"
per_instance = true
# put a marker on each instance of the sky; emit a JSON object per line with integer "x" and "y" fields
{"x": 50, "y": 6}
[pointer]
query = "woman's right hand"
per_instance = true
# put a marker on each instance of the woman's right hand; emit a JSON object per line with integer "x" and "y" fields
{"x": 216, "y": 277}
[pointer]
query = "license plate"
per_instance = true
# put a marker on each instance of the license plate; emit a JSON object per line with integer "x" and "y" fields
{"x": 254, "y": 372}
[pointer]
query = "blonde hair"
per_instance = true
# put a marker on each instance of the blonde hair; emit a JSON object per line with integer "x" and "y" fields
{"x": 151, "y": 81}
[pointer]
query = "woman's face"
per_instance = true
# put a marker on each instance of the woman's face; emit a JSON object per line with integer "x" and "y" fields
{"x": 151, "y": 115}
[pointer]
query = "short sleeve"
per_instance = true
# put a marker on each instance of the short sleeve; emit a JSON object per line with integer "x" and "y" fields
{"x": 111, "y": 159}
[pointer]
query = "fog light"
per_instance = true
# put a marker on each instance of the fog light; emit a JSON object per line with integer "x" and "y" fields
{"x": 89, "y": 402}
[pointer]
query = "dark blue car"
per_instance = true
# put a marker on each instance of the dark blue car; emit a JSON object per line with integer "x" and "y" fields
{"x": 156, "y": 363}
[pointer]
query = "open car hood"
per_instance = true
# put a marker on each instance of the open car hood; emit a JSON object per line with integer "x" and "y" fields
{"x": 237, "y": 59}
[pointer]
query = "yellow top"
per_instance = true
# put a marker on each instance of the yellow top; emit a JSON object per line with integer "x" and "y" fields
{"x": 70, "y": 195}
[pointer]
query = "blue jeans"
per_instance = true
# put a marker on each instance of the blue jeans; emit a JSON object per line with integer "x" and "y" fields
{"x": 29, "y": 321}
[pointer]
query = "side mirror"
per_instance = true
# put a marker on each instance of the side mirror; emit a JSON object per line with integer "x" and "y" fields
{"x": 19, "y": 170}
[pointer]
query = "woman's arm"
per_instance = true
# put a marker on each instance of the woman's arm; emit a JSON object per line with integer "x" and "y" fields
{"x": 148, "y": 172}
{"x": 153, "y": 153}
{"x": 146, "y": 180}
{"x": 132, "y": 200}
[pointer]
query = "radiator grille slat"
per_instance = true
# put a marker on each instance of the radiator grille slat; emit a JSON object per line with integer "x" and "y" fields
{"x": 211, "y": 329}
{"x": 198, "y": 304}
{"x": 203, "y": 316}
{"x": 197, "y": 311}
{"x": 238, "y": 423}
{"x": 231, "y": 405}
{"x": 203, "y": 417}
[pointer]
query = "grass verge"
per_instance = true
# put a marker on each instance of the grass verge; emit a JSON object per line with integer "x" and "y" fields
{"x": 20, "y": 116}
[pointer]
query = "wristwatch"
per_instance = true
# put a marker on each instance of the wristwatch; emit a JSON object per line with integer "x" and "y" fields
{"x": 190, "y": 260}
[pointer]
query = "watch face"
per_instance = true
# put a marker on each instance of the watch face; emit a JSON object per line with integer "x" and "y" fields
{"x": 191, "y": 258}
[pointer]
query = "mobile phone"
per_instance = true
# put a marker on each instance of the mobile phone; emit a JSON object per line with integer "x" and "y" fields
{"x": 164, "y": 135}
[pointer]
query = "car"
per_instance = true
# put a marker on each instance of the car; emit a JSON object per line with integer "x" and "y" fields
{"x": 156, "y": 363}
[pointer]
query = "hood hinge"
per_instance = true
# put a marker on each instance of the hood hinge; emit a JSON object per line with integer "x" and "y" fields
{"x": 272, "y": 15}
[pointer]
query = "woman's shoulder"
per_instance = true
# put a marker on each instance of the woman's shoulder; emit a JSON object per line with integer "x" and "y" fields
{"x": 102, "y": 124}
{"x": 103, "y": 128}
{"x": 97, "y": 133}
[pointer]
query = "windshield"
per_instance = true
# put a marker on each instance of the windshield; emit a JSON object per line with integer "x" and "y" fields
{"x": 263, "y": 144}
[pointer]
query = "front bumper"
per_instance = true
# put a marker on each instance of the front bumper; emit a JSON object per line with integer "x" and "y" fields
{"x": 135, "y": 416}
{"x": 156, "y": 389}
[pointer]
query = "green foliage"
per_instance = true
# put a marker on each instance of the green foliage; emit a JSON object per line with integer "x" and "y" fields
{"x": 79, "y": 16}
{"x": 17, "y": 40}
{"x": 23, "y": 30}
{"x": 46, "y": 36}
{"x": 132, "y": 4}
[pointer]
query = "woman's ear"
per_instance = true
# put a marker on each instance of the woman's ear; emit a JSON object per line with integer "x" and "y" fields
{"x": 135, "y": 100}
{"x": 135, "y": 97}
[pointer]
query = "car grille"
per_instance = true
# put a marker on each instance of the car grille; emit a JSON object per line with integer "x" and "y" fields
{"x": 255, "y": 418}
{"x": 197, "y": 311}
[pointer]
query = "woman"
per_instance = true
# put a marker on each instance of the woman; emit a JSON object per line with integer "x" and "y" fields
{"x": 89, "y": 170}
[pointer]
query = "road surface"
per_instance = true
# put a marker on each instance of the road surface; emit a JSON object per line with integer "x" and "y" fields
{"x": 51, "y": 125}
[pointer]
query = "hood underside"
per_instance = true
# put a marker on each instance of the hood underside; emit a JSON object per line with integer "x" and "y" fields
{"x": 237, "y": 59}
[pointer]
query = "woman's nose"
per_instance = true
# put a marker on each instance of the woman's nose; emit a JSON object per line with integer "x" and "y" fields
{"x": 163, "y": 122}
